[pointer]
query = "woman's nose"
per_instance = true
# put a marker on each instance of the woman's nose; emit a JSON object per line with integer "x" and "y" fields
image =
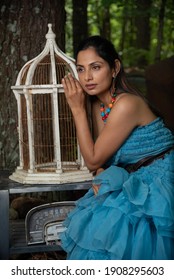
{"x": 88, "y": 75}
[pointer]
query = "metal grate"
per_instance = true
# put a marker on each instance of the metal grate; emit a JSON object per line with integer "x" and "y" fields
{"x": 42, "y": 129}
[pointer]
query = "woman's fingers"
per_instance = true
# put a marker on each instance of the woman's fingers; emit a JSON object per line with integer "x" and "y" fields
{"x": 66, "y": 83}
{"x": 97, "y": 186}
{"x": 73, "y": 92}
{"x": 71, "y": 86}
{"x": 69, "y": 83}
{"x": 95, "y": 189}
{"x": 99, "y": 170}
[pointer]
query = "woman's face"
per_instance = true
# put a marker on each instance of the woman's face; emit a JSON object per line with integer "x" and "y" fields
{"x": 95, "y": 74}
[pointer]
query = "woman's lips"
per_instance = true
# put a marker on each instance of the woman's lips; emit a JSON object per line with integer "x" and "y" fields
{"x": 90, "y": 86}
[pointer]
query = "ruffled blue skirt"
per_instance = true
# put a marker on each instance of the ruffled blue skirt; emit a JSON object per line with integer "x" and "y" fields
{"x": 131, "y": 217}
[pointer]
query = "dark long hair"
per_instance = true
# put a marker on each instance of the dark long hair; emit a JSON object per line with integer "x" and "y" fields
{"x": 106, "y": 50}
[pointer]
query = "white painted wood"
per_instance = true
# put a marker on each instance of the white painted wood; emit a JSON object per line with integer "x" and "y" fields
{"x": 34, "y": 167}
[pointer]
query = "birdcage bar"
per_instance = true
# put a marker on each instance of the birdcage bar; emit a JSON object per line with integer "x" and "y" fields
{"x": 19, "y": 107}
{"x": 53, "y": 65}
{"x": 28, "y": 98}
{"x": 56, "y": 132}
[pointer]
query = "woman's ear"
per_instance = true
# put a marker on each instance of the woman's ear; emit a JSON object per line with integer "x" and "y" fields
{"x": 117, "y": 68}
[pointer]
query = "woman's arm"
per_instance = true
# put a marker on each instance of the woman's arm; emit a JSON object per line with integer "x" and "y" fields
{"x": 124, "y": 117}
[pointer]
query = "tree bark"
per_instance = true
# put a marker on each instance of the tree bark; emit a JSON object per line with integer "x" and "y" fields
{"x": 143, "y": 28}
{"x": 160, "y": 30}
{"x": 80, "y": 26}
{"x": 23, "y": 26}
{"x": 106, "y": 27}
{"x": 123, "y": 30}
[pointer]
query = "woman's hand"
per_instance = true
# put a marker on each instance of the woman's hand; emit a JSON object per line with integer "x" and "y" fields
{"x": 96, "y": 187}
{"x": 73, "y": 92}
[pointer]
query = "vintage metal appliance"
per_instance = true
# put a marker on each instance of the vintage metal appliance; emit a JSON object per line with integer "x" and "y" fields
{"x": 48, "y": 148}
{"x": 44, "y": 223}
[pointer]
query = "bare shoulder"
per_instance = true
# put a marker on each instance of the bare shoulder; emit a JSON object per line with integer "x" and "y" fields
{"x": 133, "y": 107}
{"x": 129, "y": 102}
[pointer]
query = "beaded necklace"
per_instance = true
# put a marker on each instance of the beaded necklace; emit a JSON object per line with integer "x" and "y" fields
{"x": 105, "y": 113}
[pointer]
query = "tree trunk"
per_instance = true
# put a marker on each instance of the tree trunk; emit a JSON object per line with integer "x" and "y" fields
{"x": 23, "y": 26}
{"x": 160, "y": 30}
{"x": 123, "y": 29}
{"x": 106, "y": 27}
{"x": 143, "y": 28}
{"x": 80, "y": 26}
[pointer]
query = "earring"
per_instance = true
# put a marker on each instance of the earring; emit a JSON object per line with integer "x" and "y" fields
{"x": 114, "y": 83}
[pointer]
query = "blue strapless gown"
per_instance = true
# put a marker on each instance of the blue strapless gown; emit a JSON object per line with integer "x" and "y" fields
{"x": 132, "y": 216}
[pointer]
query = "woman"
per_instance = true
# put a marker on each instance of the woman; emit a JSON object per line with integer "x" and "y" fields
{"x": 129, "y": 211}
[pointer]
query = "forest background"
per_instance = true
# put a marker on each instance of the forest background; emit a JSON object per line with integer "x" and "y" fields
{"x": 141, "y": 30}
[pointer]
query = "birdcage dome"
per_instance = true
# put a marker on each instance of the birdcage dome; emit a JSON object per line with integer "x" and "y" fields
{"x": 49, "y": 67}
{"x": 48, "y": 147}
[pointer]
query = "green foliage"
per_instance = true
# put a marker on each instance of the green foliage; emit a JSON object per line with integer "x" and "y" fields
{"x": 68, "y": 28}
{"x": 131, "y": 56}
{"x": 95, "y": 14}
{"x": 123, "y": 15}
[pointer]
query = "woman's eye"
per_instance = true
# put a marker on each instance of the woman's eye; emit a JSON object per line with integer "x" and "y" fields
{"x": 96, "y": 67}
{"x": 79, "y": 69}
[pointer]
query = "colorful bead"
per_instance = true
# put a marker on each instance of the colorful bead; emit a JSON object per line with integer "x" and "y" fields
{"x": 105, "y": 113}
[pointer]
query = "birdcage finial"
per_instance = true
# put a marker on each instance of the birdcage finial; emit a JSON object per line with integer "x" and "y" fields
{"x": 50, "y": 34}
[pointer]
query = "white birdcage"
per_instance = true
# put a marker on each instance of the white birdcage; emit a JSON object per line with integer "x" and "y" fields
{"x": 48, "y": 147}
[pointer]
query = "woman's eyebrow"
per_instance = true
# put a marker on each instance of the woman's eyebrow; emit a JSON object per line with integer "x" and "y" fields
{"x": 90, "y": 63}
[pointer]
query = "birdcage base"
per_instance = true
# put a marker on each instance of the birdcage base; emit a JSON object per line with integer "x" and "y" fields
{"x": 25, "y": 177}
